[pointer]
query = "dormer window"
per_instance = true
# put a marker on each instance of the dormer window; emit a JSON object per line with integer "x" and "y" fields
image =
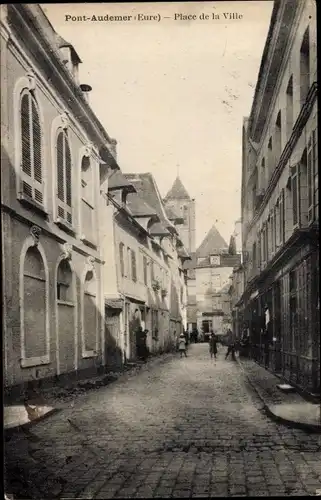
{"x": 70, "y": 57}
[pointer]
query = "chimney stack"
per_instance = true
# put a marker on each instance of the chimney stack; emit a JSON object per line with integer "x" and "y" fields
{"x": 85, "y": 90}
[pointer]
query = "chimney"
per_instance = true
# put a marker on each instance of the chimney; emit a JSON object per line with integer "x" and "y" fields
{"x": 85, "y": 90}
{"x": 113, "y": 148}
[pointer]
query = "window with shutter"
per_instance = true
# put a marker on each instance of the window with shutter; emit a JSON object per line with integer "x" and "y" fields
{"x": 134, "y": 270}
{"x": 145, "y": 269}
{"x": 63, "y": 159}
{"x": 31, "y": 149}
{"x": 121, "y": 259}
{"x": 295, "y": 196}
{"x": 129, "y": 266}
{"x": 312, "y": 171}
{"x": 282, "y": 218}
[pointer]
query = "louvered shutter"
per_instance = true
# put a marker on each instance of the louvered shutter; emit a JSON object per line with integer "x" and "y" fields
{"x": 26, "y": 146}
{"x": 121, "y": 258}
{"x": 31, "y": 149}
{"x": 37, "y": 153}
{"x": 68, "y": 180}
{"x": 60, "y": 174}
{"x": 63, "y": 159}
{"x": 134, "y": 271}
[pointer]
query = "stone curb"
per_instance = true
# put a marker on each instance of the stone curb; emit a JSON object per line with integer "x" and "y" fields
{"x": 315, "y": 428}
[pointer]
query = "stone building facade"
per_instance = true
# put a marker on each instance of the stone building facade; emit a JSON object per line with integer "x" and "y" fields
{"x": 213, "y": 269}
{"x": 144, "y": 258}
{"x": 56, "y": 158}
{"x": 280, "y": 201}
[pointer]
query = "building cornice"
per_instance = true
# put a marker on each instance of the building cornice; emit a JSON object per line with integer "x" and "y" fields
{"x": 287, "y": 151}
{"x": 276, "y": 48}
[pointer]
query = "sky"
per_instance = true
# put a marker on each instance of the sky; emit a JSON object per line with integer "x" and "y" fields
{"x": 173, "y": 93}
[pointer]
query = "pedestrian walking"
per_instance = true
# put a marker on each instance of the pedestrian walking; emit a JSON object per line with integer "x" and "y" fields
{"x": 213, "y": 345}
{"x": 231, "y": 345}
{"x": 186, "y": 335}
{"x": 182, "y": 345}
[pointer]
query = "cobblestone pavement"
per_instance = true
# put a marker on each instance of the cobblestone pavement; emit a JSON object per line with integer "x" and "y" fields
{"x": 185, "y": 428}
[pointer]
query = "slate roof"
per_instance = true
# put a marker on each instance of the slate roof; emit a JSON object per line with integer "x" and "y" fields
{"x": 177, "y": 191}
{"x": 146, "y": 188}
{"x": 173, "y": 216}
{"x": 138, "y": 207}
{"x": 117, "y": 180}
{"x": 212, "y": 243}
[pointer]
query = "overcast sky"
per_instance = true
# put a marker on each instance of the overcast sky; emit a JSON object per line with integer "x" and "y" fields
{"x": 173, "y": 93}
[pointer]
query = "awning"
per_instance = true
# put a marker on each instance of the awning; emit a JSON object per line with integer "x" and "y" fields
{"x": 114, "y": 304}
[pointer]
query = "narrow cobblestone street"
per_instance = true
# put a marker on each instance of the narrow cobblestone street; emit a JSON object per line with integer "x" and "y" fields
{"x": 186, "y": 427}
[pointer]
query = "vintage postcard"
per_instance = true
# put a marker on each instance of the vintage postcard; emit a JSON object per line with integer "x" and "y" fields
{"x": 160, "y": 258}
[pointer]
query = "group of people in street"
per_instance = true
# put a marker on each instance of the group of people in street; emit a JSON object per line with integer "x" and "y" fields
{"x": 184, "y": 340}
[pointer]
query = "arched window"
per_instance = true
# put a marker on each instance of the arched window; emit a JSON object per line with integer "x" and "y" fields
{"x": 31, "y": 149}
{"x": 34, "y": 320}
{"x": 278, "y": 137}
{"x": 63, "y": 165}
{"x": 87, "y": 201}
{"x": 90, "y": 323}
{"x": 64, "y": 282}
{"x": 122, "y": 259}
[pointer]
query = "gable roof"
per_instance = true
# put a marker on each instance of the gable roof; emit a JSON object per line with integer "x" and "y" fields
{"x": 177, "y": 191}
{"x": 212, "y": 243}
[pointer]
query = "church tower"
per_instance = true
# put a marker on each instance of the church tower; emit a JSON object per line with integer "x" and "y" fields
{"x": 179, "y": 201}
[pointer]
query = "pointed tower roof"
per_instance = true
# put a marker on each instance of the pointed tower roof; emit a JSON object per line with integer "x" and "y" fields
{"x": 177, "y": 191}
{"x": 212, "y": 243}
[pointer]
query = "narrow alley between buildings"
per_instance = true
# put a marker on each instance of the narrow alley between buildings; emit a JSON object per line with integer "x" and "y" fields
{"x": 188, "y": 427}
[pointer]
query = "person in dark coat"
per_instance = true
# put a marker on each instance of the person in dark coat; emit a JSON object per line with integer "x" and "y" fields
{"x": 231, "y": 345}
{"x": 213, "y": 345}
